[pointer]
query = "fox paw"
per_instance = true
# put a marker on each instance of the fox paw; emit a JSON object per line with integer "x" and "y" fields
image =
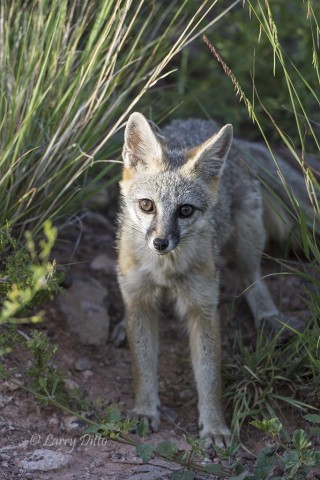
{"x": 288, "y": 324}
{"x": 219, "y": 436}
{"x": 153, "y": 419}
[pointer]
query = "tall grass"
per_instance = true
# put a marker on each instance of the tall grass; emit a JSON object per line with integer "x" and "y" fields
{"x": 70, "y": 74}
{"x": 264, "y": 378}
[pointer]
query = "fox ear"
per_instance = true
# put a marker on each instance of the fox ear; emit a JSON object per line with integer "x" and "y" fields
{"x": 208, "y": 159}
{"x": 140, "y": 143}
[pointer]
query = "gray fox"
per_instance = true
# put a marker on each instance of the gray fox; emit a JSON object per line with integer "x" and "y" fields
{"x": 183, "y": 204}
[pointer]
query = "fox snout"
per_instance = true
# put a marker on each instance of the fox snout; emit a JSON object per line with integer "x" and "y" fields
{"x": 161, "y": 244}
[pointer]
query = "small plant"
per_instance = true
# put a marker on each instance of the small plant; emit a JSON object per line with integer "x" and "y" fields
{"x": 28, "y": 278}
{"x": 295, "y": 458}
{"x": 44, "y": 376}
{"x": 263, "y": 378}
{"x": 292, "y": 459}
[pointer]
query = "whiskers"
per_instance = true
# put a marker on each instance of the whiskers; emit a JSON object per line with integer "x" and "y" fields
{"x": 188, "y": 238}
{"x": 133, "y": 228}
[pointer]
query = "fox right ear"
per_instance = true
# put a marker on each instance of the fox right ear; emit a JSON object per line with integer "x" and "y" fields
{"x": 141, "y": 146}
{"x": 209, "y": 158}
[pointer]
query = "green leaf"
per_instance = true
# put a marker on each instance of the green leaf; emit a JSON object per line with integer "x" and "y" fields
{"x": 166, "y": 448}
{"x": 314, "y": 430}
{"x": 145, "y": 452}
{"x": 143, "y": 427}
{"x": 242, "y": 476}
{"x": 92, "y": 429}
{"x": 272, "y": 426}
{"x": 300, "y": 440}
{"x": 113, "y": 414}
{"x": 265, "y": 463}
{"x": 182, "y": 475}
{"x": 214, "y": 468}
{"x": 290, "y": 459}
{"x": 312, "y": 417}
{"x": 238, "y": 468}
{"x": 196, "y": 443}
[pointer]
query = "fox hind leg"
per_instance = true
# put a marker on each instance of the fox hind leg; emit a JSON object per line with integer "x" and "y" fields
{"x": 249, "y": 241}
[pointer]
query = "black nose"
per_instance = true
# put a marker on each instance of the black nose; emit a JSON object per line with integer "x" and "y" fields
{"x": 160, "y": 244}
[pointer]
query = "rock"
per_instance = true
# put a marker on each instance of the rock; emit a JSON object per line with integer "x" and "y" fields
{"x": 85, "y": 308}
{"x": 10, "y": 386}
{"x": 53, "y": 421}
{"x": 104, "y": 263}
{"x": 87, "y": 374}
{"x": 4, "y": 400}
{"x": 72, "y": 424}
{"x": 45, "y": 460}
{"x": 82, "y": 363}
{"x": 151, "y": 472}
{"x": 41, "y": 426}
{"x": 24, "y": 444}
{"x": 70, "y": 384}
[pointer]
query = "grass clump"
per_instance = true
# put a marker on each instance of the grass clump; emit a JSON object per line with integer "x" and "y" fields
{"x": 71, "y": 73}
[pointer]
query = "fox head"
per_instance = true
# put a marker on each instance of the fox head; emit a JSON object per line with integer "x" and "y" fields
{"x": 169, "y": 194}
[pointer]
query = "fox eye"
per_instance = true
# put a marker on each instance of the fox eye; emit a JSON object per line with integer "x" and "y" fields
{"x": 146, "y": 205}
{"x": 186, "y": 211}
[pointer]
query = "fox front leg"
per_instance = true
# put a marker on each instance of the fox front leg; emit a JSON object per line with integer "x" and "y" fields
{"x": 205, "y": 344}
{"x": 142, "y": 332}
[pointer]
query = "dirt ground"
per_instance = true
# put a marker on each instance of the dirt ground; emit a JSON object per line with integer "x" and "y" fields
{"x": 27, "y": 427}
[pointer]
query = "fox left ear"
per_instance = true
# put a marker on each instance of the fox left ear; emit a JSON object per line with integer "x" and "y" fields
{"x": 141, "y": 146}
{"x": 209, "y": 158}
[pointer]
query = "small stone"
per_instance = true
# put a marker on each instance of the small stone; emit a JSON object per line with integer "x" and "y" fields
{"x": 73, "y": 423}
{"x": 87, "y": 374}
{"x": 150, "y": 472}
{"x": 46, "y": 460}
{"x": 70, "y": 384}
{"x": 53, "y": 421}
{"x": 4, "y": 400}
{"x": 24, "y": 444}
{"x": 42, "y": 426}
{"x": 11, "y": 386}
{"x": 83, "y": 363}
